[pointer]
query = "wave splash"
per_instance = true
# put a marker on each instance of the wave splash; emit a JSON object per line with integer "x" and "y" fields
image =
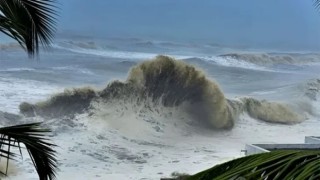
{"x": 169, "y": 83}
{"x": 270, "y": 111}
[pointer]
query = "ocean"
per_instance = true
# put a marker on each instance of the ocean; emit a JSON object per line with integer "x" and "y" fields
{"x": 124, "y": 118}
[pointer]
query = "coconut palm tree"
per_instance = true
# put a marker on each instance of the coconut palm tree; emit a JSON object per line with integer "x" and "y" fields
{"x": 32, "y": 24}
{"x": 29, "y": 22}
{"x": 31, "y": 137}
{"x": 277, "y": 165}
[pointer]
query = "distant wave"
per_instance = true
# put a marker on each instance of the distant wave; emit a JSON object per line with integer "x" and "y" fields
{"x": 73, "y": 69}
{"x": 8, "y": 46}
{"x": 112, "y": 53}
{"x": 50, "y": 70}
{"x": 255, "y": 61}
{"x": 227, "y": 61}
{"x": 165, "y": 44}
{"x": 163, "y": 82}
{"x": 85, "y": 45}
{"x": 104, "y": 52}
{"x": 174, "y": 45}
{"x": 17, "y": 69}
{"x": 267, "y": 60}
{"x": 145, "y": 44}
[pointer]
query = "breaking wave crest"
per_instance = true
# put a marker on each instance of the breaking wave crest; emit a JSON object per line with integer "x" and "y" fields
{"x": 164, "y": 82}
{"x": 67, "y": 103}
{"x": 272, "y": 112}
{"x": 265, "y": 59}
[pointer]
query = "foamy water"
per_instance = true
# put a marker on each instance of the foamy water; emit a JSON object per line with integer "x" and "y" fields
{"x": 14, "y": 91}
{"x": 130, "y": 139}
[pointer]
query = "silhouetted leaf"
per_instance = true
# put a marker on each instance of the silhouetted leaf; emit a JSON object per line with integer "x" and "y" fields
{"x": 33, "y": 137}
{"x": 30, "y": 22}
{"x": 276, "y": 165}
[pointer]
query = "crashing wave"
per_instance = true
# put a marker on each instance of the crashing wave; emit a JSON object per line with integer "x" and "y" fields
{"x": 68, "y": 103}
{"x": 169, "y": 83}
{"x": 270, "y": 111}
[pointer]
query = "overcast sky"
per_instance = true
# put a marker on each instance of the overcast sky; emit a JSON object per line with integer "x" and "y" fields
{"x": 261, "y": 23}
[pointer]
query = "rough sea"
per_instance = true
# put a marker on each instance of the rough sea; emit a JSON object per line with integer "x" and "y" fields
{"x": 267, "y": 96}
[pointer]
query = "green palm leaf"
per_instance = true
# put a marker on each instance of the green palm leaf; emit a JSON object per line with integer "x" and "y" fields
{"x": 29, "y": 22}
{"x": 277, "y": 165}
{"x": 38, "y": 147}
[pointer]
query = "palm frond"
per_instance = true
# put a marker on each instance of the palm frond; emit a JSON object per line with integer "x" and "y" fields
{"x": 40, "y": 150}
{"x": 316, "y": 3}
{"x": 277, "y": 165}
{"x": 30, "y": 22}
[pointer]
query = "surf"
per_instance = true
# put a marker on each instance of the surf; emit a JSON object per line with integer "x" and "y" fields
{"x": 169, "y": 83}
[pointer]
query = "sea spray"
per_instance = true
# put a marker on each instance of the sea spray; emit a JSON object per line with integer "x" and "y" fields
{"x": 311, "y": 89}
{"x": 272, "y": 112}
{"x": 67, "y": 103}
{"x": 175, "y": 82}
{"x": 165, "y": 82}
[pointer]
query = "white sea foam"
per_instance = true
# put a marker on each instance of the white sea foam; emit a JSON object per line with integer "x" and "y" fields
{"x": 228, "y": 61}
{"x": 17, "y": 69}
{"x": 132, "y": 141}
{"x": 73, "y": 69}
{"x": 13, "y": 91}
{"x": 132, "y": 144}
